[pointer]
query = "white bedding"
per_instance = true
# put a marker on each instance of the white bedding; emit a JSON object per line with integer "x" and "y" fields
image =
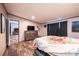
{"x": 42, "y": 44}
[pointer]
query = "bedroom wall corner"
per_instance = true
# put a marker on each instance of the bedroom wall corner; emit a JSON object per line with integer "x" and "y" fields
{"x": 43, "y": 30}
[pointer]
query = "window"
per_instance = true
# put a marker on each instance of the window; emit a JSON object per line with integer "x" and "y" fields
{"x": 75, "y": 26}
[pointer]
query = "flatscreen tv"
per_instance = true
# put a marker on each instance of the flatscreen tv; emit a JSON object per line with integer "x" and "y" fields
{"x": 75, "y": 26}
{"x": 30, "y": 28}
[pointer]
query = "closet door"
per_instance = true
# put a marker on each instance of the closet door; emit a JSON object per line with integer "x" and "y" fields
{"x": 53, "y": 29}
{"x": 63, "y": 28}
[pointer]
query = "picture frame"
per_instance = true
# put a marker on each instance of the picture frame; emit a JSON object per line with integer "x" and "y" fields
{"x": 2, "y": 23}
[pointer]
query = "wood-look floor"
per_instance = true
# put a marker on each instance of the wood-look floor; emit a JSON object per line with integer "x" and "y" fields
{"x": 20, "y": 49}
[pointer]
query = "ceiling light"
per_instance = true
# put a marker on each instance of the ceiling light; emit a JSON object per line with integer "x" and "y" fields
{"x": 33, "y": 17}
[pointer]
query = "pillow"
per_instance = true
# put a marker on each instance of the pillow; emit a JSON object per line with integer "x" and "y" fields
{"x": 57, "y": 40}
{"x": 73, "y": 41}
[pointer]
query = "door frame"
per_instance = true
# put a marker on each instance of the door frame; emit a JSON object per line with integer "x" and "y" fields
{"x": 8, "y": 31}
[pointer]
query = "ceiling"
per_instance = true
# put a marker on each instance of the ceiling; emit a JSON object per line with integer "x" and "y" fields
{"x": 42, "y": 12}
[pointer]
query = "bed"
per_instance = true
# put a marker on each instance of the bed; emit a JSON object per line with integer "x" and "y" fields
{"x": 57, "y": 46}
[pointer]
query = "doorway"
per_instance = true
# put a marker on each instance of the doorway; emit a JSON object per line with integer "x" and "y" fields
{"x": 13, "y": 31}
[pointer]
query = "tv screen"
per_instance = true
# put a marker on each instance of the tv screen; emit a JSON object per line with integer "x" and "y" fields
{"x": 75, "y": 26}
{"x": 30, "y": 28}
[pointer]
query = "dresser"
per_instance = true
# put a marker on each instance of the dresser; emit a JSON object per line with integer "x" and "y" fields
{"x": 30, "y": 35}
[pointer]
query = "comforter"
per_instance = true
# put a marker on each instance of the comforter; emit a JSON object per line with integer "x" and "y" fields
{"x": 57, "y": 45}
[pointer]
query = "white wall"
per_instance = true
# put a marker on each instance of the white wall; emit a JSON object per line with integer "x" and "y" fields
{"x": 23, "y": 25}
{"x": 3, "y": 35}
{"x": 70, "y": 33}
{"x": 43, "y": 30}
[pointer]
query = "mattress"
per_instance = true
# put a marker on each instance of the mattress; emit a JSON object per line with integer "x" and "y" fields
{"x": 69, "y": 47}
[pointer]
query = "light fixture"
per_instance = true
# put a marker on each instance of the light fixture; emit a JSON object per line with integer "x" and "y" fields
{"x": 33, "y": 17}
